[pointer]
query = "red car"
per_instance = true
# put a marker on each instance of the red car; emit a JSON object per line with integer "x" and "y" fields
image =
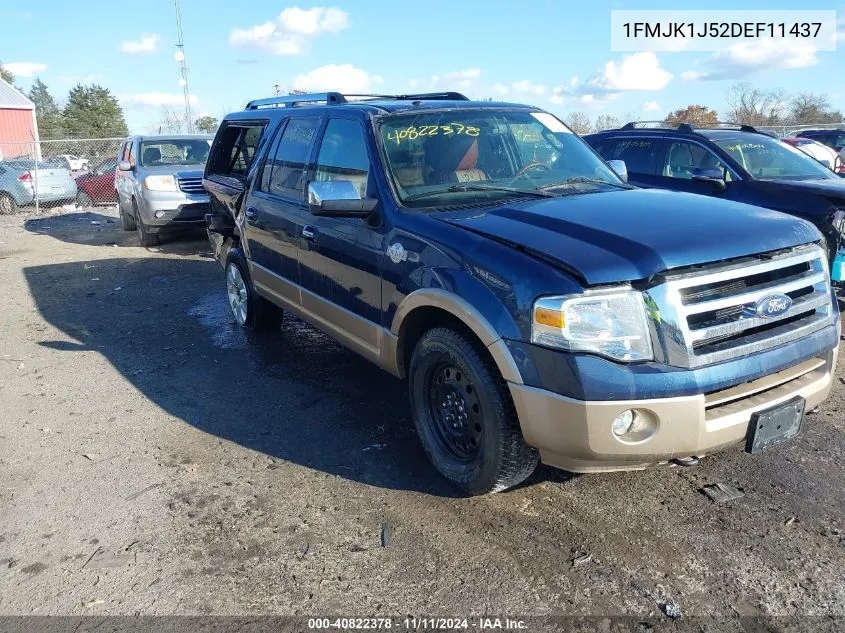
{"x": 97, "y": 186}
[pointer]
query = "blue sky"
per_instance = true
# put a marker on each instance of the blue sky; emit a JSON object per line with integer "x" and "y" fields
{"x": 553, "y": 54}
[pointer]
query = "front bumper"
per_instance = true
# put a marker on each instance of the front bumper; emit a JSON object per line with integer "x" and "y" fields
{"x": 173, "y": 209}
{"x": 576, "y": 435}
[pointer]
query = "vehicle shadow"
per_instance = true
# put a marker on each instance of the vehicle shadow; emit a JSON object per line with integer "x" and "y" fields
{"x": 295, "y": 395}
{"x": 93, "y": 227}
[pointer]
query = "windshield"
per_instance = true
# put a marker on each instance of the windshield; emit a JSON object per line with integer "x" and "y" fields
{"x": 174, "y": 152}
{"x": 766, "y": 158}
{"x": 480, "y": 155}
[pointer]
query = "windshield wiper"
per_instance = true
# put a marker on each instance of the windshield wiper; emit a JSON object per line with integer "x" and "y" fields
{"x": 534, "y": 193}
{"x": 575, "y": 180}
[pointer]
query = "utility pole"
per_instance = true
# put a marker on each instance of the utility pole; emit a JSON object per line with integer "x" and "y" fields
{"x": 183, "y": 68}
{"x": 278, "y": 89}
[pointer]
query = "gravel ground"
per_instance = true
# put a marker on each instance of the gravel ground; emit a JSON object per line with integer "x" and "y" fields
{"x": 156, "y": 460}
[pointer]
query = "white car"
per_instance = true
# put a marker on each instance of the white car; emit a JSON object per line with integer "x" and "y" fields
{"x": 827, "y": 156}
{"x": 69, "y": 161}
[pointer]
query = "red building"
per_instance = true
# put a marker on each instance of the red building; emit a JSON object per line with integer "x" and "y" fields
{"x": 18, "y": 126}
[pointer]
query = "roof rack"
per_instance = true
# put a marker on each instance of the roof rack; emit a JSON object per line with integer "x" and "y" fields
{"x": 690, "y": 128}
{"x": 336, "y": 98}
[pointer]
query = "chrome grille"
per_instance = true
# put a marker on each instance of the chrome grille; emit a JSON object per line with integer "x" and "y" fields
{"x": 708, "y": 315}
{"x": 191, "y": 185}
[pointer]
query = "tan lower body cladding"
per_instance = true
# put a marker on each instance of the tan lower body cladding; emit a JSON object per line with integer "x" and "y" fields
{"x": 577, "y": 435}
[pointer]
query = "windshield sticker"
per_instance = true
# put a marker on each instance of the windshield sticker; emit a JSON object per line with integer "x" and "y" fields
{"x": 412, "y": 132}
{"x": 551, "y": 122}
{"x": 741, "y": 146}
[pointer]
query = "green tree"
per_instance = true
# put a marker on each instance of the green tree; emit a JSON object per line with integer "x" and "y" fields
{"x": 207, "y": 124}
{"x": 6, "y": 75}
{"x": 46, "y": 111}
{"x": 93, "y": 112}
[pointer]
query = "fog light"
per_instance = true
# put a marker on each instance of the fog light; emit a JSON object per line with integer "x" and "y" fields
{"x": 159, "y": 214}
{"x": 623, "y": 423}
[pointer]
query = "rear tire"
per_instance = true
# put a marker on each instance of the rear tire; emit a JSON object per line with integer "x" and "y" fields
{"x": 248, "y": 309}
{"x": 144, "y": 236}
{"x": 83, "y": 200}
{"x": 8, "y": 206}
{"x": 464, "y": 415}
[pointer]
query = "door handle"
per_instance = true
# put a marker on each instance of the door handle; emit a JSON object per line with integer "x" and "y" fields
{"x": 309, "y": 233}
{"x": 251, "y": 214}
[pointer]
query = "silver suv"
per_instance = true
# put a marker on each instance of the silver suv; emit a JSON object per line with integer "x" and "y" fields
{"x": 159, "y": 183}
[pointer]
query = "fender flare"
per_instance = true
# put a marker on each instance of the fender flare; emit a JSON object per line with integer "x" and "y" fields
{"x": 467, "y": 314}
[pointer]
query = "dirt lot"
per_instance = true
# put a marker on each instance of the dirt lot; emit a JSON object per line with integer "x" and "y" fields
{"x": 155, "y": 460}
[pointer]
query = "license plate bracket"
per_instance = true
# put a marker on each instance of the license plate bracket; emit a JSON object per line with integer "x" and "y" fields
{"x": 776, "y": 425}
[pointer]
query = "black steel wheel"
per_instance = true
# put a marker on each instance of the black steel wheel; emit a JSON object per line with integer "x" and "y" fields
{"x": 464, "y": 414}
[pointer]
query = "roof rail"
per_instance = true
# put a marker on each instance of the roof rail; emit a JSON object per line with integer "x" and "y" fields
{"x": 335, "y": 98}
{"x": 690, "y": 128}
{"x": 327, "y": 98}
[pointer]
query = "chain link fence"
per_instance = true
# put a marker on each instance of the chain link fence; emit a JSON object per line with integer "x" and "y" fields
{"x": 45, "y": 174}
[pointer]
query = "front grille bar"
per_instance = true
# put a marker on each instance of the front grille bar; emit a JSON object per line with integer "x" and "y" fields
{"x": 694, "y": 329}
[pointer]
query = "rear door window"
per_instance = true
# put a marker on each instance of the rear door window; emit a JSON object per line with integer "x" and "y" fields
{"x": 287, "y": 165}
{"x": 234, "y": 150}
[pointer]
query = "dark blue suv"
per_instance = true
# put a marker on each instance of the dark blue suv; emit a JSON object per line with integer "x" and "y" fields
{"x": 739, "y": 164}
{"x": 540, "y": 307}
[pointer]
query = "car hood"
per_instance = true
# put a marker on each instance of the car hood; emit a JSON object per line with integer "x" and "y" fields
{"x": 833, "y": 188}
{"x": 633, "y": 234}
{"x": 177, "y": 171}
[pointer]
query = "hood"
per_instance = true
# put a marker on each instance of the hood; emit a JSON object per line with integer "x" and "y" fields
{"x": 177, "y": 171}
{"x": 633, "y": 234}
{"x": 832, "y": 188}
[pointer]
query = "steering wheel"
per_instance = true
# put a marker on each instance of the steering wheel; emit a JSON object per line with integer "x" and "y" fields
{"x": 532, "y": 165}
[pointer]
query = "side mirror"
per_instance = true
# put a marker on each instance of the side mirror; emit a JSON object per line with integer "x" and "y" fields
{"x": 124, "y": 165}
{"x": 713, "y": 175}
{"x": 338, "y": 199}
{"x": 619, "y": 168}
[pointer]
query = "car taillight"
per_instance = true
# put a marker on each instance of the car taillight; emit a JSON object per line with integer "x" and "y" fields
{"x": 27, "y": 177}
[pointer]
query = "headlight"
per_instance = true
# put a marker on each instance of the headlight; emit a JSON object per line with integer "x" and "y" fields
{"x": 160, "y": 183}
{"x": 609, "y": 323}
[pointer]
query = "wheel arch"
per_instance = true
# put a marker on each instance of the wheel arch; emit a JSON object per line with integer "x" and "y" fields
{"x": 427, "y": 308}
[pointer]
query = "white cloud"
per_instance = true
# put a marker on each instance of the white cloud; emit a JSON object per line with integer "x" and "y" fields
{"x": 500, "y": 89}
{"x": 746, "y": 58}
{"x": 529, "y": 88}
{"x": 640, "y": 71}
{"x": 343, "y": 78}
{"x": 25, "y": 69}
{"x": 156, "y": 99}
{"x": 651, "y": 106}
{"x": 147, "y": 43}
{"x": 463, "y": 80}
{"x": 292, "y": 30}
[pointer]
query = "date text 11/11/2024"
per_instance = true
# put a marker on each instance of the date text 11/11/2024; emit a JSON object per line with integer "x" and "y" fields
{"x": 417, "y": 624}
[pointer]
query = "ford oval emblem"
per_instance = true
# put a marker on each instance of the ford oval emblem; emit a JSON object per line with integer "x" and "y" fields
{"x": 773, "y": 306}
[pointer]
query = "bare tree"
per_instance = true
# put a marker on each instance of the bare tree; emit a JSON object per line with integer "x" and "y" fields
{"x": 606, "y": 122}
{"x": 171, "y": 122}
{"x": 810, "y": 108}
{"x": 695, "y": 114}
{"x": 578, "y": 122}
{"x": 754, "y": 106}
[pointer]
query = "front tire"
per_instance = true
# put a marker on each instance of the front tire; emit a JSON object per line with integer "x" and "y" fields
{"x": 464, "y": 415}
{"x": 144, "y": 236}
{"x": 248, "y": 309}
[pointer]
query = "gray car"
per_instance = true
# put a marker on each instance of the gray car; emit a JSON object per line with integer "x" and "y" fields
{"x": 22, "y": 179}
{"x": 159, "y": 183}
